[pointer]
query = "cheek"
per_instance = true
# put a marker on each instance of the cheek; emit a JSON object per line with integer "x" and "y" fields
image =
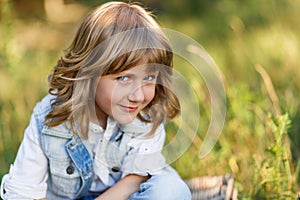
{"x": 118, "y": 94}
{"x": 149, "y": 94}
{"x": 111, "y": 95}
{"x": 103, "y": 98}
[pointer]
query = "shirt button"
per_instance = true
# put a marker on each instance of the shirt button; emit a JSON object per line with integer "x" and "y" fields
{"x": 70, "y": 170}
{"x": 115, "y": 169}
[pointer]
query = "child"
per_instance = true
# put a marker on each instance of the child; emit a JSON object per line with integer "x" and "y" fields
{"x": 99, "y": 132}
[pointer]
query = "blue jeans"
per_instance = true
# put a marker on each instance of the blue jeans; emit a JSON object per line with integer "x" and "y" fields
{"x": 167, "y": 186}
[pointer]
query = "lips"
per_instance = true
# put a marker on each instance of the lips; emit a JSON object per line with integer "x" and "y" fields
{"x": 129, "y": 108}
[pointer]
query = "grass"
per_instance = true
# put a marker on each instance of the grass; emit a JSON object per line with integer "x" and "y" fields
{"x": 259, "y": 143}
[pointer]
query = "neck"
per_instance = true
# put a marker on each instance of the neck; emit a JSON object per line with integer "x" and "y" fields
{"x": 100, "y": 119}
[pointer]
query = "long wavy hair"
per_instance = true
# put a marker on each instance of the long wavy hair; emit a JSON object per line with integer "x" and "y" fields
{"x": 114, "y": 37}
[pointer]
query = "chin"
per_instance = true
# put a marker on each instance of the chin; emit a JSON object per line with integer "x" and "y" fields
{"x": 125, "y": 120}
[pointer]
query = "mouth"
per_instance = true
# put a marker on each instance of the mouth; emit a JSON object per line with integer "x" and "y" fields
{"x": 129, "y": 109}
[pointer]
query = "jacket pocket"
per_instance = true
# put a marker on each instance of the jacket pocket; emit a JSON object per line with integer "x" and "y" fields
{"x": 64, "y": 177}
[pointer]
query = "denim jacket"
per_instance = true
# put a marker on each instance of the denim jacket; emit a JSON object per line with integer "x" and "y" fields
{"x": 71, "y": 166}
{"x": 69, "y": 162}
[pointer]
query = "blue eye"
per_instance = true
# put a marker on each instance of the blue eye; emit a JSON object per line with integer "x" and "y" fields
{"x": 122, "y": 78}
{"x": 149, "y": 78}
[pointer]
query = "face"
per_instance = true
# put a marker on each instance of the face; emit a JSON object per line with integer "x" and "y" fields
{"x": 122, "y": 96}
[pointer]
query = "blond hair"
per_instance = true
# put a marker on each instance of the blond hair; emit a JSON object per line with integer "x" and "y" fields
{"x": 114, "y": 37}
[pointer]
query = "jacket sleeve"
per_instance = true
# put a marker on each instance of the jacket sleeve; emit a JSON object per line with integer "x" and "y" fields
{"x": 27, "y": 176}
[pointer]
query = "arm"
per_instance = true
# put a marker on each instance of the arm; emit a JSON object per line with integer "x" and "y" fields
{"x": 123, "y": 189}
{"x": 27, "y": 177}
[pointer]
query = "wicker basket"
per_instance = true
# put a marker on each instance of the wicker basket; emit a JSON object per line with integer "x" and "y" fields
{"x": 213, "y": 187}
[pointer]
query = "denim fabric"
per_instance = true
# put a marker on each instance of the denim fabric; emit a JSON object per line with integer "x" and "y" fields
{"x": 70, "y": 165}
{"x": 166, "y": 186}
{"x": 90, "y": 197}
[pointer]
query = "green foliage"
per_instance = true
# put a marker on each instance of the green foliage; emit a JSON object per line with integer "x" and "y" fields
{"x": 274, "y": 178}
{"x": 23, "y": 75}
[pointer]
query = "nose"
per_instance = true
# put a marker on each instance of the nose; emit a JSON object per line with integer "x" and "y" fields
{"x": 137, "y": 94}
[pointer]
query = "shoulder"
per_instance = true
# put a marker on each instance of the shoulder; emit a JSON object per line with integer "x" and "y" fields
{"x": 41, "y": 109}
{"x": 44, "y": 105}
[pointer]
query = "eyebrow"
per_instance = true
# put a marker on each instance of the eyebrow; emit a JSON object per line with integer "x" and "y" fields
{"x": 146, "y": 73}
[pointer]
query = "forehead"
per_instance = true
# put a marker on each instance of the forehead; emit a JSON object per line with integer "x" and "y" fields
{"x": 152, "y": 57}
{"x": 142, "y": 68}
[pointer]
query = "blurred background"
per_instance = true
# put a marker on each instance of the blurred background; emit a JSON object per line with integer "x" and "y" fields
{"x": 255, "y": 44}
